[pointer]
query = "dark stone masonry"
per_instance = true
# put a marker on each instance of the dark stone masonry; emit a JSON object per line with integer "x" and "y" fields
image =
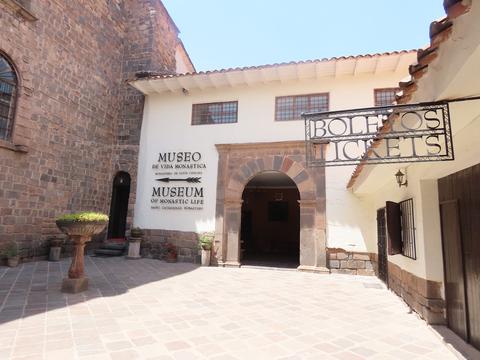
{"x": 77, "y": 121}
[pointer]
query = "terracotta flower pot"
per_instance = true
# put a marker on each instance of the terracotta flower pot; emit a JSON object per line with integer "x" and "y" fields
{"x": 171, "y": 258}
{"x": 137, "y": 233}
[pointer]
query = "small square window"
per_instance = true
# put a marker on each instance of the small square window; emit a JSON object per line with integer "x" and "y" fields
{"x": 291, "y": 107}
{"x": 385, "y": 97}
{"x": 215, "y": 113}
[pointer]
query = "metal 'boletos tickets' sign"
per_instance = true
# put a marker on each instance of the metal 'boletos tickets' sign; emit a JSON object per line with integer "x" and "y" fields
{"x": 387, "y": 134}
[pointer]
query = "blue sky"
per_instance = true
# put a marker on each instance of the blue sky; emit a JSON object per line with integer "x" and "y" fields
{"x": 229, "y": 33}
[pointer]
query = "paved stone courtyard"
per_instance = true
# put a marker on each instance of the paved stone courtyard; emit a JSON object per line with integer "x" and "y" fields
{"x": 148, "y": 309}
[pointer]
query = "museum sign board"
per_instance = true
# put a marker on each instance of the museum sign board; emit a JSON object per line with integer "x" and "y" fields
{"x": 178, "y": 181}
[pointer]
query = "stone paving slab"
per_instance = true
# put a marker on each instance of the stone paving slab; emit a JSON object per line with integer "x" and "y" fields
{"x": 148, "y": 309}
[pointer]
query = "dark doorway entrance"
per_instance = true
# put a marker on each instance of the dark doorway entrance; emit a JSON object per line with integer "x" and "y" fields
{"x": 382, "y": 246}
{"x": 270, "y": 228}
{"x": 119, "y": 205}
{"x": 459, "y": 197}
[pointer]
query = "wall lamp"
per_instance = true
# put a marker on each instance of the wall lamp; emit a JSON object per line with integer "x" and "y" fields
{"x": 401, "y": 179}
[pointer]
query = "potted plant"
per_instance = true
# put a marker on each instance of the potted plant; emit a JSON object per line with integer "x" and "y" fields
{"x": 80, "y": 227}
{"x": 170, "y": 253}
{"x": 136, "y": 237}
{"x": 11, "y": 253}
{"x": 205, "y": 242}
{"x": 136, "y": 232}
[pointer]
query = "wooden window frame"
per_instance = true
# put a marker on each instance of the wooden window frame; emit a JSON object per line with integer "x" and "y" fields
{"x": 13, "y": 104}
{"x": 375, "y": 91}
{"x": 401, "y": 238}
{"x": 215, "y": 103}
{"x": 326, "y": 94}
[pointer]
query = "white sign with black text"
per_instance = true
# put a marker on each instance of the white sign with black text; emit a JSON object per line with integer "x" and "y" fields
{"x": 178, "y": 178}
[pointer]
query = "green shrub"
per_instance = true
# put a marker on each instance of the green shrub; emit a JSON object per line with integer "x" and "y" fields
{"x": 83, "y": 216}
{"x": 10, "y": 250}
{"x": 205, "y": 241}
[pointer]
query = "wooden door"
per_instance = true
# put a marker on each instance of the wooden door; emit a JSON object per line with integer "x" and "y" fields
{"x": 119, "y": 206}
{"x": 382, "y": 246}
{"x": 460, "y": 211}
{"x": 453, "y": 263}
{"x": 471, "y": 250}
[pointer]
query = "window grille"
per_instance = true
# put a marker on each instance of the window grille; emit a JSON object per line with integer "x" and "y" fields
{"x": 215, "y": 113}
{"x": 291, "y": 107}
{"x": 278, "y": 211}
{"x": 8, "y": 91}
{"x": 385, "y": 97}
{"x": 408, "y": 229}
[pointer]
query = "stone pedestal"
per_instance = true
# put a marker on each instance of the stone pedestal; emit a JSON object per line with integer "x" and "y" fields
{"x": 76, "y": 281}
{"x": 134, "y": 249}
{"x": 76, "y": 270}
{"x": 54, "y": 253}
{"x": 74, "y": 286}
{"x": 206, "y": 257}
{"x": 79, "y": 232}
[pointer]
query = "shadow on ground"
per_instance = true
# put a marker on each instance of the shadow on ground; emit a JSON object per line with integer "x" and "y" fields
{"x": 34, "y": 288}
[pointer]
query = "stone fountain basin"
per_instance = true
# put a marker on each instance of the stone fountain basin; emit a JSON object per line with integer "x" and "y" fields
{"x": 81, "y": 228}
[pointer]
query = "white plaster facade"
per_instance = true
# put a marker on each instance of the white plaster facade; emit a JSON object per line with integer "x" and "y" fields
{"x": 350, "y": 83}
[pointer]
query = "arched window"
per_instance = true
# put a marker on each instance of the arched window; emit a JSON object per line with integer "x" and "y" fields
{"x": 8, "y": 92}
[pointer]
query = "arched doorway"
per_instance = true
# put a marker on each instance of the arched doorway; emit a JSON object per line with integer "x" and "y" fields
{"x": 270, "y": 224}
{"x": 119, "y": 205}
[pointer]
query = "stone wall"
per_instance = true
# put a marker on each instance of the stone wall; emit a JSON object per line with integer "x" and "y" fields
{"x": 237, "y": 165}
{"x": 186, "y": 243}
{"x": 77, "y": 120}
{"x": 423, "y": 296}
{"x": 349, "y": 262}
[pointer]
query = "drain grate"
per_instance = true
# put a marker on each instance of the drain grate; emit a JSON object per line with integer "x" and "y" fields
{"x": 372, "y": 286}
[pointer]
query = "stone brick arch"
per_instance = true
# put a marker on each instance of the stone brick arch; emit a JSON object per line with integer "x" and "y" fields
{"x": 237, "y": 165}
{"x": 282, "y": 163}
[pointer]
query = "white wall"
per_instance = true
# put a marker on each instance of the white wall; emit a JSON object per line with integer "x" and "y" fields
{"x": 166, "y": 127}
{"x": 377, "y": 185}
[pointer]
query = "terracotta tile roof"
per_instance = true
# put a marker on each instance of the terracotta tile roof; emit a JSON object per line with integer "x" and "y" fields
{"x": 440, "y": 31}
{"x": 156, "y": 75}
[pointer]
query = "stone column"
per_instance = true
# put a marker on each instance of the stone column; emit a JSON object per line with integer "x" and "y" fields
{"x": 76, "y": 281}
{"x": 233, "y": 218}
{"x": 219, "y": 243}
{"x": 312, "y": 239}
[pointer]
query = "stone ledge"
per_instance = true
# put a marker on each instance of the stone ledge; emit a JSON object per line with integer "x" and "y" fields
{"x": 186, "y": 243}
{"x": 13, "y": 147}
{"x": 21, "y": 10}
{"x": 314, "y": 269}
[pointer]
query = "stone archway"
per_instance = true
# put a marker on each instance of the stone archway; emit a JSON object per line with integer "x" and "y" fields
{"x": 237, "y": 164}
{"x": 270, "y": 226}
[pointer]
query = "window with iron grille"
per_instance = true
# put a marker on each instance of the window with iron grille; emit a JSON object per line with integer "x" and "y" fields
{"x": 385, "y": 97}
{"x": 8, "y": 91}
{"x": 408, "y": 229}
{"x": 291, "y": 107}
{"x": 215, "y": 113}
